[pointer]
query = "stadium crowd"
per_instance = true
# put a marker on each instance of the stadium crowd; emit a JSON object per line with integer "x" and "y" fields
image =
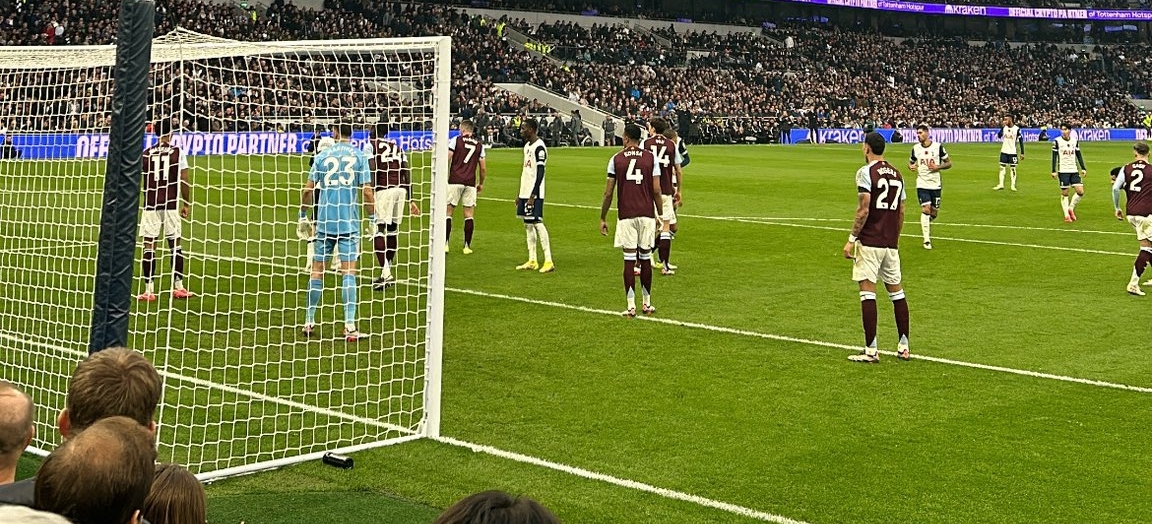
{"x": 827, "y": 75}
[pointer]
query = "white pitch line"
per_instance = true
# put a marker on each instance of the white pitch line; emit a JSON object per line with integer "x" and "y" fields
{"x": 742, "y": 332}
{"x": 844, "y": 220}
{"x": 625, "y": 483}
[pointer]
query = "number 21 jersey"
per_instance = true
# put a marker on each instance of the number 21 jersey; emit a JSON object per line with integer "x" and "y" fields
{"x": 884, "y": 183}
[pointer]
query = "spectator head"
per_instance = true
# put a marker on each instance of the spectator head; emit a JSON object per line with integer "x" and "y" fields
{"x": 467, "y": 127}
{"x": 874, "y": 144}
{"x": 342, "y": 131}
{"x": 16, "y": 428}
{"x": 496, "y": 507}
{"x": 921, "y": 133}
{"x": 528, "y": 129}
{"x": 113, "y": 382}
{"x": 101, "y": 475}
{"x": 631, "y": 135}
{"x": 176, "y": 497}
{"x": 658, "y": 126}
{"x": 1066, "y": 131}
{"x": 1141, "y": 149}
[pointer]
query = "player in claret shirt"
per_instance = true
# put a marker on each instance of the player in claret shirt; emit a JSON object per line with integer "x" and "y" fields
{"x": 873, "y": 245}
{"x": 631, "y": 174}
{"x": 393, "y": 185}
{"x": 1131, "y": 179}
{"x": 165, "y": 185}
{"x": 465, "y": 155}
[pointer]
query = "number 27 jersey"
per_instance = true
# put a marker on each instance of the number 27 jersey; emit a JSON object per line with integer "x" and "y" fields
{"x": 884, "y": 183}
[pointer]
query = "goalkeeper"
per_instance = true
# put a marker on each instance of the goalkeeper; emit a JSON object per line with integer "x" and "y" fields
{"x": 339, "y": 171}
{"x": 318, "y": 144}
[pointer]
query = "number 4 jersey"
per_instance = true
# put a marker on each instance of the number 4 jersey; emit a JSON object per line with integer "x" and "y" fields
{"x": 633, "y": 169}
{"x": 884, "y": 183}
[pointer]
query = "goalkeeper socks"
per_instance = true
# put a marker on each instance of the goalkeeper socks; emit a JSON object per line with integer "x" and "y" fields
{"x": 1075, "y": 200}
{"x": 900, "y": 308}
{"x": 868, "y": 317}
{"x": 469, "y": 228}
{"x": 349, "y": 291}
{"x": 545, "y": 241}
{"x": 530, "y": 230}
{"x": 315, "y": 289}
{"x": 926, "y": 226}
{"x": 448, "y": 230}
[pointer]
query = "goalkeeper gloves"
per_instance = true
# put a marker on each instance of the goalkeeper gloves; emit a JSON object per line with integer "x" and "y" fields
{"x": 304, "y": 228}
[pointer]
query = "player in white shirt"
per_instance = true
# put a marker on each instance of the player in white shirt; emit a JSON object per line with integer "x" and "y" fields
{"x": 928, "y": 159}
{"x": 530, "y": 201}
{"x": 1011, "y": 150}
{"x": 1066, "y": 158}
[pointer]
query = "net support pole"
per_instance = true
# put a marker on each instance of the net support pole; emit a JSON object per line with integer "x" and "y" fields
{"x": 119, "y": 213}
{"x": 434, "y": 360}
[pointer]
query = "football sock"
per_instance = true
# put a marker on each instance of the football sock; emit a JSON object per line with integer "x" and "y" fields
{"x": 469, "y": 229}
{"x": 380, "y": 247}
{"x": 630, "y": 279}
{"x": 545, "y": 241}
{"x": 448, "y": 230}
{"x": 926, "y": 226}
{"x": 900, "y": 308}
{"x": 177, "y": 264}
{"x": 665, "y": 246}
{"x": 349, "y": 292}
{"x": 1064, "y": 205}
{"x": 315, "y": 289}
{"x": 148, "y": 267}
{"x": 1075, "y": 200}
{"x": 1013, "y": 169}
{"x": 1002, "y": 168}
{"x": 530, "y": 229}
{"x": 391, "y": 244}
{"x": 1142, "y": 261}
{"x": 868, "y": 316}
{"x": 646, "y": 277}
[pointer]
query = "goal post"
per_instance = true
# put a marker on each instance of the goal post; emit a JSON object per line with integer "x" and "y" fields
{"x": 244, "y": 389}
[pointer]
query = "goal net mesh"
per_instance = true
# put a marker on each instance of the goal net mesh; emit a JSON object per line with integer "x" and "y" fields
{"x": 243, "y": 388}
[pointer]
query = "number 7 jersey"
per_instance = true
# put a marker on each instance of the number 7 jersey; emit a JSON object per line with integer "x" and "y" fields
{"x": 884, "y": 183}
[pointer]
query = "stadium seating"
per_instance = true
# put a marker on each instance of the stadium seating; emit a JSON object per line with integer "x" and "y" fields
{"x": 845, "y": 78}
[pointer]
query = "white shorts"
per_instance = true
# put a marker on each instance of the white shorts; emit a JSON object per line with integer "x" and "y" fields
{"x": 876, "y": 264}
{"x": 157, "y": 221}
{"x": 636, "y": 233}
{"x": 461, "y": 195}
{"x": 1143, "y": 226}
{"x": 667, "y": 209}
{"x": 390, "y": 205}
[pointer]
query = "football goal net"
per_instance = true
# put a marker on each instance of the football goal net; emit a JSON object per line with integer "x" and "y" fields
{"x": 244, "y": 389}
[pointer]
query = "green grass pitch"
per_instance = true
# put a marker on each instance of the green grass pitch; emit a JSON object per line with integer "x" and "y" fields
{"x": 713, "y": 400}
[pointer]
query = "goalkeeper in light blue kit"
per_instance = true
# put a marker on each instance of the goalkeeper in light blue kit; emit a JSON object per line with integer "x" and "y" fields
{"x": 340, "y": 172}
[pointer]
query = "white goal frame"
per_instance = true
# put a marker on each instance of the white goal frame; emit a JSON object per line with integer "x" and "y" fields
{"x": 182, "y": 45}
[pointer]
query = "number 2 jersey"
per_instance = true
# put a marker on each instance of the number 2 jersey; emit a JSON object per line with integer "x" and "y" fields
{"x": 884, "y": 183}
{"x": 162, "y": 167}
{"x": 1132, "y": 180}
{"x": 340, "y": 172}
